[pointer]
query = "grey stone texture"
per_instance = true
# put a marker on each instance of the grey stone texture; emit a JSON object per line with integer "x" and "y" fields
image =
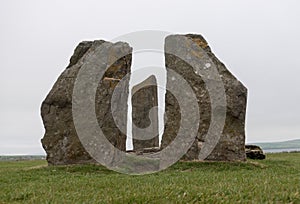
{"x": 231, "y": 145}
{"x": 144, "y": 98}
{"x": 63, "y": 145}
{"x": 60, "y": 140}
{"x": 254, "y": 152}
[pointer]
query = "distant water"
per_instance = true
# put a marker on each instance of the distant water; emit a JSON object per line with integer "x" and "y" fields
{"x": 281, "y": 150}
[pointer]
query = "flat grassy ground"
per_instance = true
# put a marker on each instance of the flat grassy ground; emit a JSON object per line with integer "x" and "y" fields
{"x": 274, "y": 180}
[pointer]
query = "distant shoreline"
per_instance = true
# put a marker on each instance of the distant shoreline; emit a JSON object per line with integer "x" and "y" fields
{"x": 284, "y": 150}
{"x": 286, "y": 146}
{"x": 21, "y": 157}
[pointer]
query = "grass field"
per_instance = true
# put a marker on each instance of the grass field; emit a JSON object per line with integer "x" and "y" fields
{"x": 274, "y": 180}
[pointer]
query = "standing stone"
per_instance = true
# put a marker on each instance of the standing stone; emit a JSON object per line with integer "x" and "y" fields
{"x": 231, "y": 145}
{"x": 144, "y": 98}
{"x": 61, "y": 141}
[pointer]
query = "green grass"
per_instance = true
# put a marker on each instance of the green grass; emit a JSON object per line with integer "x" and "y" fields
{"x": 274, "y": 180}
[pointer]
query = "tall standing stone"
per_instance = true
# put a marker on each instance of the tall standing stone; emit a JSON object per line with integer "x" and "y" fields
{"x": 144, "y": 98}
{"x": 62, "y": 144}
{"x": 60, "y": 140}
{"x": 231, "y": 144}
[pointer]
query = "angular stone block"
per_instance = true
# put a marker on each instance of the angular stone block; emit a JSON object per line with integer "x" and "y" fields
{"x": 231, "y": 144}
{"x": 60, "y": 140}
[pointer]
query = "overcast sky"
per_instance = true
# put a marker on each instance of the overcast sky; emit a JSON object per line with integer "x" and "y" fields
{"x": 257, "y": 40}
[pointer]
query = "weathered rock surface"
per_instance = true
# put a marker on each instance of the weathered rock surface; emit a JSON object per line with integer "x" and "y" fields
{"x": 61, "y": 141}
{"x": 63, "y": 145}
{"x": 231, "y": 144}
{"x": 143, "y": 99}
{"x": 254, "y": 152}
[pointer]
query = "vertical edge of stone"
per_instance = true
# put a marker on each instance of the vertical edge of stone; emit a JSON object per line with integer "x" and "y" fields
{"x": 114, "y": 74}
{"x": 144, "y": 98}
{"x": 231, "y": 146}
{"x": 60, "y": 140}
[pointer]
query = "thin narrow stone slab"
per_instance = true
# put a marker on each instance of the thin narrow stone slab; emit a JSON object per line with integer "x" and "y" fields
{"x": 144, "y": 98}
